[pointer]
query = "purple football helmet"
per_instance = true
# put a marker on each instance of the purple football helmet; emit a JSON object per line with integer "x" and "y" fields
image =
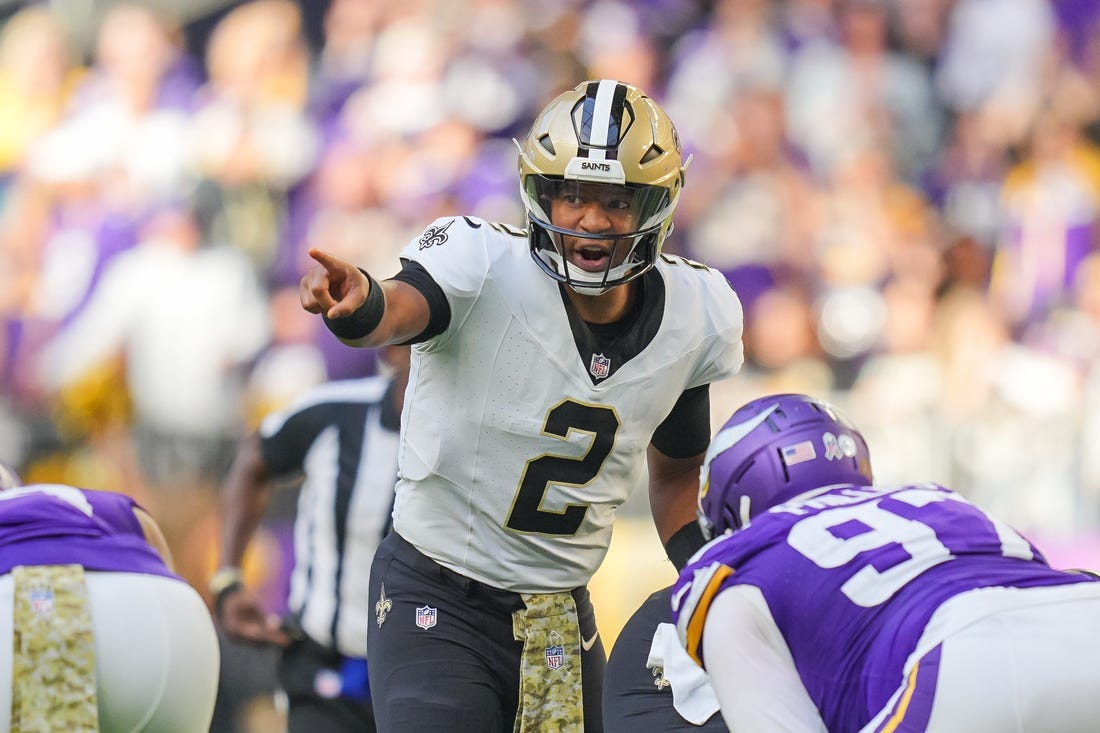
{"x": 771, "y": 450}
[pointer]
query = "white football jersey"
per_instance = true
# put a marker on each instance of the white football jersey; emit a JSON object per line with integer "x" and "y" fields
{"x": 514, "y": 459}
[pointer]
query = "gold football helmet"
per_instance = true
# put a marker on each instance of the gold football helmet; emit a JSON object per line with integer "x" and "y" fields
{"x": 608, "y": 137}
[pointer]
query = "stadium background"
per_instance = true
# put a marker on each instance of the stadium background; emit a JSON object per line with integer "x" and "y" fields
{"x": 905, "y": 193}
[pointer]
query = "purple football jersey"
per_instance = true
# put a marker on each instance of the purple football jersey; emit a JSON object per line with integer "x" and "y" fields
{"x": 852, "y": 575}
{"x": 52, "y": 524}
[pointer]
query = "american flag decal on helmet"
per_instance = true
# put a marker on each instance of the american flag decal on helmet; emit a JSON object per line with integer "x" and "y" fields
{"x": 799, "y": 453}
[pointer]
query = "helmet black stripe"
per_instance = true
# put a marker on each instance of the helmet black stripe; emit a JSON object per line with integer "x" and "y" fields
{"x": 587, "y": 110}
{"x": 617, "y": 106}
{"x": 602, "y": 118}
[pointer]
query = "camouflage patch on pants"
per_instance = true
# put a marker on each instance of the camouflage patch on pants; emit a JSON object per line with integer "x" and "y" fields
{"x": 53, "y": 659}
{"x": 550, "y": 694}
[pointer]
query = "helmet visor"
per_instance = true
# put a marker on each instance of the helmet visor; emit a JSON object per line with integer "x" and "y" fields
{"x": 630, "y": 209}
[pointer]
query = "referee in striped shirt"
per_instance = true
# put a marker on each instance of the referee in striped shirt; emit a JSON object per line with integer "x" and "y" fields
{"x": 341, "y": 439}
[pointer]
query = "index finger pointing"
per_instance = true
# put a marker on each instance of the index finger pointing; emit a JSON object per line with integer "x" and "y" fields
{"x": 324, "y": 258}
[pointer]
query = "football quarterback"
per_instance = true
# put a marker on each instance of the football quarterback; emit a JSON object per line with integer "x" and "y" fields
{"x": 551, "y": 366}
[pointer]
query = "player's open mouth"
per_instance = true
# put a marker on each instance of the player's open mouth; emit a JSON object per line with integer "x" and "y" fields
{"x": 591, "y": 258}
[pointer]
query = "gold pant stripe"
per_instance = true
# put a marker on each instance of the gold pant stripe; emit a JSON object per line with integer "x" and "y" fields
{"x": 53, "y": 660}
{"x": 551, "y": 698}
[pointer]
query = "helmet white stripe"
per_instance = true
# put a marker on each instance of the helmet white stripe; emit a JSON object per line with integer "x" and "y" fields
{"x": 732, "y": 434}
{"x": 727, "y": 438}
{"x": 601, "y": 118}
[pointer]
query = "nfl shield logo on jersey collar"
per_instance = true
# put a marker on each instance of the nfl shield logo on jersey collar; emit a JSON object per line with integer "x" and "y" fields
{"x": 600, "y": 366}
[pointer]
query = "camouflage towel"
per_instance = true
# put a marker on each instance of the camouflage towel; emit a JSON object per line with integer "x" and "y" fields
{"x": 53, "y": 664}
{"x": 550, "y": 696}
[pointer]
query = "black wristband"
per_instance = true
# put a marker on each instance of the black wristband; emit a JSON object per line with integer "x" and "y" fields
{"x": 685, "y": 543}
{"x": 365, "y": 318}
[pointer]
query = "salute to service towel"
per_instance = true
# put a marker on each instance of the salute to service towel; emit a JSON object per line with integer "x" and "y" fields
{"x": 53, "y": 660}
{"x": 550, "y": 693}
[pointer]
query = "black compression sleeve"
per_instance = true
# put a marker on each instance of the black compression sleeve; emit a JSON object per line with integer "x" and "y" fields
{"x": 413, "y": 273}
{"x": 686, "y": 430}
{"x": 685, "y": 543}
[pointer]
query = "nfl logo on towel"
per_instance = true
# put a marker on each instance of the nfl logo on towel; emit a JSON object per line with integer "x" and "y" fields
{"x": 600, "y": 366}
{"x": 555, "y": 656}
{"x": 41, "y": 600}
{"x": 426, "y": 617}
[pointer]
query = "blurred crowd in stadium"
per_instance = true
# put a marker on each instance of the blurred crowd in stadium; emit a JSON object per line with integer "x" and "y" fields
{"x": 905, "y": 194}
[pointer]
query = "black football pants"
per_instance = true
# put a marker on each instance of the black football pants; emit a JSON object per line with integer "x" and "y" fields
{"x": 458, "y": 670}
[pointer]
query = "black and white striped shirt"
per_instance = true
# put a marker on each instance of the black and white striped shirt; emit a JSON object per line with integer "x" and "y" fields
{"x": 343, "y": 437}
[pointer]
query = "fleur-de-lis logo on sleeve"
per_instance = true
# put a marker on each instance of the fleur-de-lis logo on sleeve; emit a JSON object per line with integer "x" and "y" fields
{"x": 434, "y": 236}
